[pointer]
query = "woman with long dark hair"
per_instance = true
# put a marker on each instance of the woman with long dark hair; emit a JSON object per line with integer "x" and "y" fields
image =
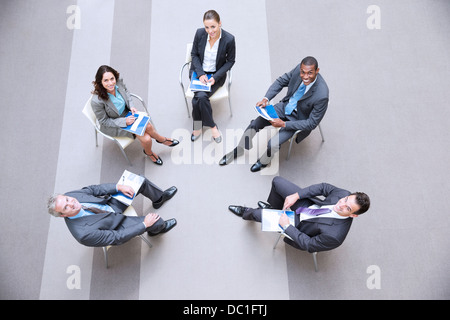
{"x": 111, "y": 103}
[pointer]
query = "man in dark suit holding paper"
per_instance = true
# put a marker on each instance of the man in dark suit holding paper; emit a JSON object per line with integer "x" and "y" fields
{"x": 302, "y": 108}
{"x": 95, "y": 218}
{"x": 313, "y": 231}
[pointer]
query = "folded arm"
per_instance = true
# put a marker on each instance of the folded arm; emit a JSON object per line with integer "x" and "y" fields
{"x": 321, "y": 242}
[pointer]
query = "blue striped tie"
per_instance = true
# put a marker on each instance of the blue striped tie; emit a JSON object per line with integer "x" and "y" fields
{"x": 294, "y": 99}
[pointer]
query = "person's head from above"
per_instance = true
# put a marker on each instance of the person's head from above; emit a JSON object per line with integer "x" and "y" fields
{"x": 105, "y": 81}
{"x": 353, "y": 205}
{"x": 60, "y": 205}
{"x": 211, "y": 20}
{"x": 309, "y": 68}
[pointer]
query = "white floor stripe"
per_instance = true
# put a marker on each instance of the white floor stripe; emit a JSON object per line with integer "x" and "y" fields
{"x": 67, "y": 268}
{"x": 211, "y": 254}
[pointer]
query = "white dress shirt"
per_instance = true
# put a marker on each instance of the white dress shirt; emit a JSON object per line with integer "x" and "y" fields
{"x": 209, "y": 59}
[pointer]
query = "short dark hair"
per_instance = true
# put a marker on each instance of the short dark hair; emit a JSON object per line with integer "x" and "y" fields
{"x": 310, "y": 61}
{"x": 211, "y": 15}
{"x": 363, "y": 201}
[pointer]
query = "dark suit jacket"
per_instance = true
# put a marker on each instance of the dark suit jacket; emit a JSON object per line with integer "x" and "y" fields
{"x": 226, "y": 54}
{"x": 311, "y": 107}
{"x": 107, "y": 115}
{"x": 103, "y": 229}
{"x": 319, "y": 234}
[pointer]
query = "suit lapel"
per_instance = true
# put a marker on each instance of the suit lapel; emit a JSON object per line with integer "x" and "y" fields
{"x": 110, "y": 105}
{"x": 202, "y": 45}
{"x": 221, "y": 48}
{"x": 123, "y": 94}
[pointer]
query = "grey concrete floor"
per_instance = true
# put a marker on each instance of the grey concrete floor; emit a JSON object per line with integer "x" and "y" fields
{"x": 386, "y": 133}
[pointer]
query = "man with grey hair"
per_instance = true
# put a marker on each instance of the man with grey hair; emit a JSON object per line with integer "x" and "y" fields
{"x": 95, "y": 218}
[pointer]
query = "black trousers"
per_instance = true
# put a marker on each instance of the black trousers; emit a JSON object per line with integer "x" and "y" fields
{"x": 148, "y": 190}
{"x": 202, "y": 113}
{"x": 274, "y": 144}
{"x": 281, "y": 188}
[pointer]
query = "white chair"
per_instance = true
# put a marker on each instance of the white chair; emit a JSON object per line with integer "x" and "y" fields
{"x": 121, "y": 142}
{"x": 295, "y": 136}
{"x": 222, "y": 93}
{"x": 314, "y": 254}
{"x": 130, "y": 212}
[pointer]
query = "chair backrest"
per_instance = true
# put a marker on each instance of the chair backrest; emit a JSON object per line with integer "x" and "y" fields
{"x": 89, "y": 113}
{"x": 188, "y": 53}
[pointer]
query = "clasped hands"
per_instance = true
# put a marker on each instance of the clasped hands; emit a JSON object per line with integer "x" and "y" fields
{"x": 277, "y": 123}
{"x": 204, "y": 79}
{"x": 150, "y": 218}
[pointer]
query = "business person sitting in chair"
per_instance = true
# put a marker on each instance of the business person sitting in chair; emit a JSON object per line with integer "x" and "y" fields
{"x": 95, "y": 218}
{"x": 302, "y": 108}
{"x": 213, "y": 53}
{"x": 320, "y": 225}
{"x": 111, "y": 103}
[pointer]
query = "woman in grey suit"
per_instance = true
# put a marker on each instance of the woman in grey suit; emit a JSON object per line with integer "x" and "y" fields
{"x": 111, "y": 102}
{"x": 213, "y": 53}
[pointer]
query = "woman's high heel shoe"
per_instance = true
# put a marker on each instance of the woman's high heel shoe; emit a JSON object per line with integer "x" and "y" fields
{"x": 173, "y": 144}
{"x": 219, "y": 138}
{"x": 193, "y": 137}
{"x": 158, "y": 160}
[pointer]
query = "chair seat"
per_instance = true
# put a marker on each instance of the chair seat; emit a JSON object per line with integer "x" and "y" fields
{"x": 314, "y": 254}
{"x": 124, "y": 141}
{"x": 129, "y": 212}
{"x": 221, "y": 93}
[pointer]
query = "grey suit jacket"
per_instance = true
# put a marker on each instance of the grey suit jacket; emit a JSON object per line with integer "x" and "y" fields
{"x": 311, "y": 107}
{"x": 103, "y": 229}
{"x": 319, "y": 234}
{"x": 107, "y": 115}
{"x": 226, "y": 54}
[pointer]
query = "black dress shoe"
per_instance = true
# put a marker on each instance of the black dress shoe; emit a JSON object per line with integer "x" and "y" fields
{"x": 257, "y": 166}
{"x": 237, "y": 210}
{"x": 169, "y": 224}
{"x": 167, "y": 194}
{"x": 264, "y": 205}
{"x": 193, "y": 138}
{"x": 230, "y": 156}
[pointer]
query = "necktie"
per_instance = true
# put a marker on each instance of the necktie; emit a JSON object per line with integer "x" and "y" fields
{"x": 94, "y": 210}
{"x": 312, "y": 212}
{"x": 294, "y": 99}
